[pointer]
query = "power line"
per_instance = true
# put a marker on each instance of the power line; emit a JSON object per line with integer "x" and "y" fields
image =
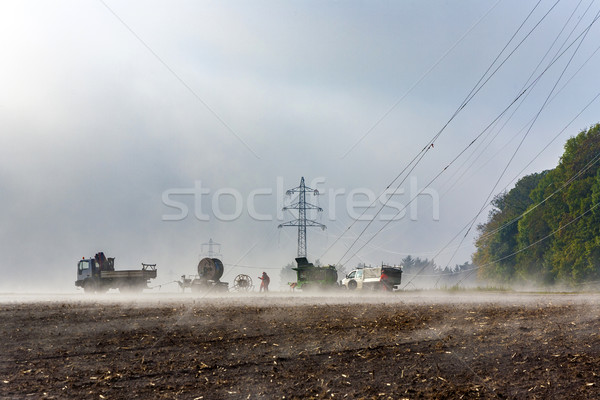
{"x": 523, "y": 139}
{"x": 489, "y": 159}
{"x": 178, "y": 78}
{"x": 472, "y": 221}
{"x": 553, "y": 139}
{"x": 250, "y": 266}
{"x": 425, "y": 74}
{"x": 534, "y": 243}
{"x": 435, "y": 177}
{"x": 476, "y": 150}
{"x": 489, "y": 125}
{"x": 476, "y": 88}
{"x": 530, "y": 209}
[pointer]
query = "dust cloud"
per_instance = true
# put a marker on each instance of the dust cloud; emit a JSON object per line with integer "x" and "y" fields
{"x": 287, "y": 299}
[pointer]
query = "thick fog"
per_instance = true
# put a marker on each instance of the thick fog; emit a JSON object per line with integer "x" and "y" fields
{"x": 143, "y": 129}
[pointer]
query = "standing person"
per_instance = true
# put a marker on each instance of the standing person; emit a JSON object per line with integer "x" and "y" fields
{"x": 385, "y": 283}
{"x": 264, "y": 284}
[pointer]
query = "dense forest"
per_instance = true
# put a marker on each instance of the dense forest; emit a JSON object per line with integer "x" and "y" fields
{"x": 547, "y": 228}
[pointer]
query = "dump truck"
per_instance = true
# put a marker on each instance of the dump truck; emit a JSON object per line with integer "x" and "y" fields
{"x": 98, "y": 275}
{"x": 311, "y": 277}
{"x": 210, "y": 271}
{"x": 384, "y": 277}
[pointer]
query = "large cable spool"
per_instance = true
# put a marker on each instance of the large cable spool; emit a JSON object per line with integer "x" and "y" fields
{"x": 242, "y": 282}
{"x": 210, "y": 269}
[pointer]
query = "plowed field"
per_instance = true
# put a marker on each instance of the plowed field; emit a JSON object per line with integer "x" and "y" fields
{"x": 276, "y": 346}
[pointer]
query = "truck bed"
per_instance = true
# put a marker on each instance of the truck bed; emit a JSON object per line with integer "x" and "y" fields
{"x": 129, "y": 274}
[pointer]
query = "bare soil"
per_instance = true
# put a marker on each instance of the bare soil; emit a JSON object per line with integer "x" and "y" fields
{"x": 398, "y": 346}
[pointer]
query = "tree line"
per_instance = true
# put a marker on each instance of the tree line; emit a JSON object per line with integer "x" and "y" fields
{"x": 547, "y": 228}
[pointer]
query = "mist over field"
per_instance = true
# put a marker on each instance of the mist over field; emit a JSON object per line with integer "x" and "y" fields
{"x": 157, "y": 160}
{"x": 144, "y": 129}
{"x": 421, "y": 344}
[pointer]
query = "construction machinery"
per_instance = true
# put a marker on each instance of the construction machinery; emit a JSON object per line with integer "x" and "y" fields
{"x": 311, "y": 277}
{"x": 98, "y": 275}
{"x": 210, "y": 271}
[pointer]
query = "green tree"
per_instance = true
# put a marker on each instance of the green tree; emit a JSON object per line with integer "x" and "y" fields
{"x": 497, "y": 241}
{"x": 558, "y": 237}
{"x": 408, "y": 263}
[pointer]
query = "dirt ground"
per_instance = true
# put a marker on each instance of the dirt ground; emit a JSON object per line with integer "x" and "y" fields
{"x": 277, "y": 346}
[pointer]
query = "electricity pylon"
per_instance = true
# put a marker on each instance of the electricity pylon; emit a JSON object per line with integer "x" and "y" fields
{"x": 301, "y": 205}
{"x": 212, "y": 253}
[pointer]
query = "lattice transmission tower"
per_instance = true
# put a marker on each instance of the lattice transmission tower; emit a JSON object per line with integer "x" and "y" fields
{"x": 302, "y": 222}
{"x": 212, "y": 253}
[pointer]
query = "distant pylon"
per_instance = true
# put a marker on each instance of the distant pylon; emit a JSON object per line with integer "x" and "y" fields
{"x": 211, "y": 253}
{"x": 301, "y": 222}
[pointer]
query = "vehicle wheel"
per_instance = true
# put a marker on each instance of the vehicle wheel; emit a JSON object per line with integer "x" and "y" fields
{"x": 89, "y": 286}
{"x": 101, "y": 289}
{"x": 196, "y": 288}
{"x": 352, "y": 285}
{"x": 131, "y": 289}
{"x": 199, "y": 286}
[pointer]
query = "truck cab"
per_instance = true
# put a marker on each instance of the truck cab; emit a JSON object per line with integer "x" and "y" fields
{"x": 84, "y": 269}
{"x": 89, "y": 269}
{"x": 88, "y": 276}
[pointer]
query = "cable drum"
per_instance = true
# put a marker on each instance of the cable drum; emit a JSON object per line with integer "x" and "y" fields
{"x": 242, "y": 282}
{"x": 210, "y": 269}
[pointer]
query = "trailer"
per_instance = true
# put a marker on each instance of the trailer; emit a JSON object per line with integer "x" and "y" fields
{"x": 210, "y": 271}
{"x": 98, "y": 275}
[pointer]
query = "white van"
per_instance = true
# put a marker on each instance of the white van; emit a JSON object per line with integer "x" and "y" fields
{"x": 370, "y": 278}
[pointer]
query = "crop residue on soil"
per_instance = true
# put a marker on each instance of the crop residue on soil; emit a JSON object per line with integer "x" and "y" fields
{"x": 302, "y": 347}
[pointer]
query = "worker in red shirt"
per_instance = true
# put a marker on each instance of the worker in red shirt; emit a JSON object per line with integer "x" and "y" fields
{"x": 385, "y": 284}
{"x": 264, "y": 284}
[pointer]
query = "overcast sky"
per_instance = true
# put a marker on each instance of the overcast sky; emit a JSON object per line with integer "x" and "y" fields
{"x": 107, "y": 109}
